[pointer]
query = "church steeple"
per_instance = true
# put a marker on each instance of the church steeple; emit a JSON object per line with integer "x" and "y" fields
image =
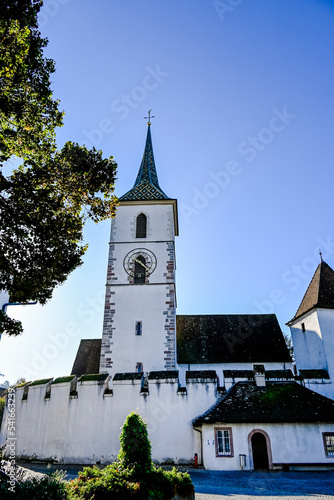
{"x": 146, "y": 186}
{"x": 320, "y": 293}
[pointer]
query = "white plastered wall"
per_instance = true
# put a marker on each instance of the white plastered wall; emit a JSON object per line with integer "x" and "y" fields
{"x": 289, "y": 444}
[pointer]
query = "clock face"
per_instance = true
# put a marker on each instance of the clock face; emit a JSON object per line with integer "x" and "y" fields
{"x": 140, "y": 262}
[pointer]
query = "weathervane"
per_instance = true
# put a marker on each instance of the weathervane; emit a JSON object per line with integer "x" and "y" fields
{"x": 320, "y": 253}
{"x": 149, "y": 117}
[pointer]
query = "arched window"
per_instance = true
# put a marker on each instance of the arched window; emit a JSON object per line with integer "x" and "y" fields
{"x": 141, "y": 224}
{"x": 140, "y": 270}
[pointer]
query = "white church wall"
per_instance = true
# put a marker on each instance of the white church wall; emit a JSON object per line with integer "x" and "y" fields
{"x": 147, "y": 348}
{"x": 85, "y": 429}
{"x": 308, "y": 345}
{"x": 152, "y": 304}
{"x": 160, "y": 223}
{"x": 324, "y": 387}
{"x": 289, "y": 444}
{"x": 326, "y": 323}
{"x": 160, "y": 250}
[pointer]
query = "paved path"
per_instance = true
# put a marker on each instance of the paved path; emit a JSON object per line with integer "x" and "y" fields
{"x": 224, "y": 485}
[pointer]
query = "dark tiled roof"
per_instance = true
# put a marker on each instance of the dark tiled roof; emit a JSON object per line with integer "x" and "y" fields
{"x": 249, "y": 374}
{"x": 239, "y": 374}
{"x": 88, "y": 357}
{"x": 128, "y": 376}
{"x": 157, "y": 375}
{"x": 283, "y": 374}
{"x": 201, "y": 375}
{"x": 93, "y": 377}
{"x": 146, "y": 186}
{"x": 224, "y": 338}
{"x": 275, "y": 403}
{"x": 320, "y": 292}
{"x": 316, "y": 374}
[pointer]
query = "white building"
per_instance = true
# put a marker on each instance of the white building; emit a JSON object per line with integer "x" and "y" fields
{"x": 217, "y": 386}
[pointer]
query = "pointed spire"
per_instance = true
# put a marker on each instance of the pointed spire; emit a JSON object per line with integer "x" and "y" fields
{"x": 146, "y": 186}
{"x": 320, "y": 292}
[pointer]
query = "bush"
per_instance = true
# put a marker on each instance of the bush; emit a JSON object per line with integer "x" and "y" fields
{"x": 134, "y": 476}
{"x": 49, "y": 487}
{"x": 135, "y": 446}
{"x": 115, "y": 483}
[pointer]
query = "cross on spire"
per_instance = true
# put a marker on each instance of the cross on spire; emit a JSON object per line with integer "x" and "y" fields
{"x": 320, "y": 253}
{"x": 149, "y": 117}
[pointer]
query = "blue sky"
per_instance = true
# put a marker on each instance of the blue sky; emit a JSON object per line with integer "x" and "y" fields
{"x": 243, "y": 98}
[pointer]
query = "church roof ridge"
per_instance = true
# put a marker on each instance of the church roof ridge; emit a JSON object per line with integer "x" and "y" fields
{"x": 146, "y": 186}
{"x": 320, "y": 292}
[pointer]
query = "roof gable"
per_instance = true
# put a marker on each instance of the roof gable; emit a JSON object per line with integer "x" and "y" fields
{"x": 228, "y": 338}
{"x": 87, "y": 360}
{"x": 320, "y": 292}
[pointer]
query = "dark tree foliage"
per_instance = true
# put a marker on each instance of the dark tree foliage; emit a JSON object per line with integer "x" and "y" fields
{"x": 135, "y": 445}
{"x": 28, "y": 112}
{"x": 45, "y": 201}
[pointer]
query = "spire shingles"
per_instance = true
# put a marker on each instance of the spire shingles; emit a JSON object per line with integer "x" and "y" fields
{"x": 146, "y": 186}
{"x": 320, "y": 292}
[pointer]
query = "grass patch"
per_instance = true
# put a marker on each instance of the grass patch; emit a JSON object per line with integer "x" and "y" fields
{"x": 41, "y": 381}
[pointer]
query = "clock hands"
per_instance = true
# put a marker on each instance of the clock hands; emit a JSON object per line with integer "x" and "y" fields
{"x": 140, "y": 262}
{"x": 142, "y": 256}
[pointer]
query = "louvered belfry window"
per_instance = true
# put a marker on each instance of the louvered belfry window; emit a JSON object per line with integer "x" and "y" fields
{"x": 141, "y": 226}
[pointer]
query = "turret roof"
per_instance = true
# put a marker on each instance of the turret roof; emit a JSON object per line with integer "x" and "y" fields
{"x": 146, "y": 186}
{"x": 320, "y": 292}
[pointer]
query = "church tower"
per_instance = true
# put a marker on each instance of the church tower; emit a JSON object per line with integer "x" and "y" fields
{"x": 312, "y": 331}
{"x": 140, "y": 306}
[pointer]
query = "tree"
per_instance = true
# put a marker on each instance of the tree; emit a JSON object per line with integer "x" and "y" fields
{"x": 44, "y": 202}
{"x": 135, "y": 445}
{"x": 289, "y": 344}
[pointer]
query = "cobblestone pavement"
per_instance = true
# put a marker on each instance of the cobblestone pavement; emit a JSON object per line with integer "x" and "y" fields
{"x": 222, "y": 485}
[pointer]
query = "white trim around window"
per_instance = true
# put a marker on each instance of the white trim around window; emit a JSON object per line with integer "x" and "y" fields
{"x": 223, "y": 441}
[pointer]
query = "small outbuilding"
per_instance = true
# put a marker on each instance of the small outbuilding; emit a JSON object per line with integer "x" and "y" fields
{"x": 268, "y": 425}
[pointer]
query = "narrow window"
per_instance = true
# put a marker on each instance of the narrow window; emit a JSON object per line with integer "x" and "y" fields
{"x": 303, "y": 327}
{"x": 140, "y": 268}
{"x": 329, "y": 443}
{"x": 139, "y": 367}
{"x": 138, "y": 327}
{"x": 223, "y": 442}
{"x": 141, "y": 224}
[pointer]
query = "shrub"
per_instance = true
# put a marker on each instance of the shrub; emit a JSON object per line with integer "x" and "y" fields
{"x": 49, "y": 487}
{"x": 134, "y": 476}
{"x": 135, "y": 446}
